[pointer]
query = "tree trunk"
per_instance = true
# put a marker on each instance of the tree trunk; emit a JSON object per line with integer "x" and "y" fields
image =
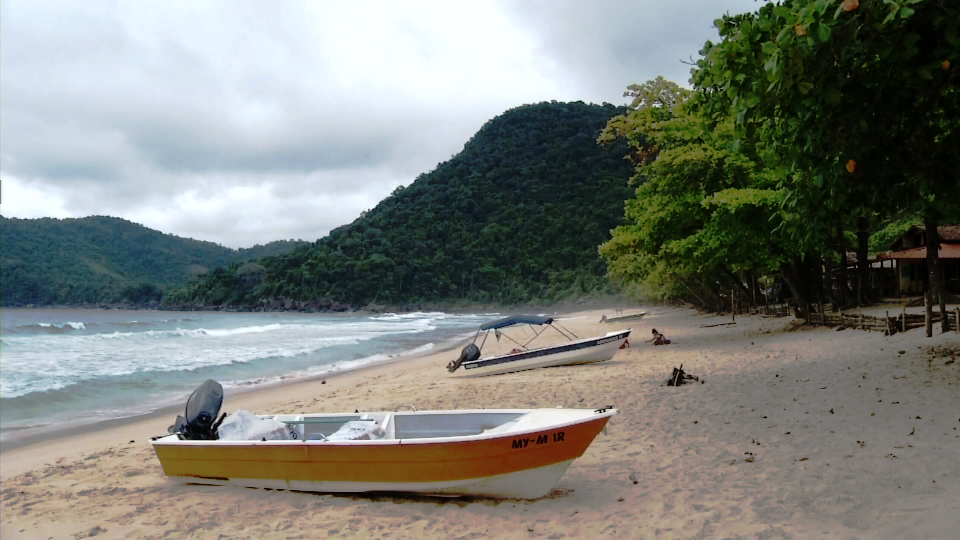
{"x": 703, "y": 303}
{"x": 828, "y": 280}
{"x": 796, "y": 289}
{"x": 736, "y": 280}
{"x": 817, "y": 278}
{"x": 842, "y": 276}
{"x": 863, "y": 265}
{"x": 930, "y": 223}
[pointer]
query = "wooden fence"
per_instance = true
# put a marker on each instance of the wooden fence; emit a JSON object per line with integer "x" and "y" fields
{"x": 824, "y": 315}
{"x": 899, "y": 322}
{"x": 774, "y": 310}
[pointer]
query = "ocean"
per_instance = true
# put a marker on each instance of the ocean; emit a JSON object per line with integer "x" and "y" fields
{"x": 70, "y": 367}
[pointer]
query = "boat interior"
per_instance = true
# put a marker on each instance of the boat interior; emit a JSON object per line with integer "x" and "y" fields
{"x": 409, "y": 425}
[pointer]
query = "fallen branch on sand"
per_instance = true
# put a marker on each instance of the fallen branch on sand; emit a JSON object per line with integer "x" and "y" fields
{"x": 680, "y": 377}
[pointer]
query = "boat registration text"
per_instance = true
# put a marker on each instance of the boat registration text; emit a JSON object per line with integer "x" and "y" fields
{"x": 540, "y": 439}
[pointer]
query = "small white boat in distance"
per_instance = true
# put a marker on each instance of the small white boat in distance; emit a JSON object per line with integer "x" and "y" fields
{"x": 574, "y": 351}
{"x": 622, "y": 318}
{"x": 500, "y": 453}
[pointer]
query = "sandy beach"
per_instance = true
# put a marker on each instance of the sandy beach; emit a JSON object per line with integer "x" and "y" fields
{"x": 795, "y": 432}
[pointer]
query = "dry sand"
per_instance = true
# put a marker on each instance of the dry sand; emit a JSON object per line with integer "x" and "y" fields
{"x": 796, "y": 432}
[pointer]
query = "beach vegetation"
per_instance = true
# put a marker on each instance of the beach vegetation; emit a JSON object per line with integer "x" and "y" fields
{"x": 862, "y": 105}
{"x": 811, "y": 126}
{"x": 701, "y": 219}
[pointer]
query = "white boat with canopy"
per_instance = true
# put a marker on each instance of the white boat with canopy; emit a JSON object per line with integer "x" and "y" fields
{"x": 574, "y": 351}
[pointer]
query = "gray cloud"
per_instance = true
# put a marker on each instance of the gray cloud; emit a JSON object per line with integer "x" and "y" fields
{"x": 245, "y": 122}
{"x": 606, "y": 45}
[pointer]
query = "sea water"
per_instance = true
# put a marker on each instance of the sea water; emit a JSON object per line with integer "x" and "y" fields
{"x": 61, "y": 367}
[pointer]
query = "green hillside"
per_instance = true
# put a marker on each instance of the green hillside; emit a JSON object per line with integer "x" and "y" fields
{"x": 103, "y": 259}
{"x": 516, "y": 216}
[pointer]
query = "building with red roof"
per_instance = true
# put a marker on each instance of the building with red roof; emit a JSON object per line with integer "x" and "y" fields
{"x": 909, "y": 251}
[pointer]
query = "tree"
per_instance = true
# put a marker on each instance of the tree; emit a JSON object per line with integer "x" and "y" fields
{"x": 653, "y": 101}
{"x": 860, "y": 96}
{"x": 704, "y": 211}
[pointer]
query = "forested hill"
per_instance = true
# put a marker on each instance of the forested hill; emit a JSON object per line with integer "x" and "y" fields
{"x": 104, "y": 259}
{"x": 516, "y": 216}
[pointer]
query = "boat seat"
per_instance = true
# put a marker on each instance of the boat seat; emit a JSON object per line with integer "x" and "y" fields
{"x": 504, "y": 427}
{"x": 533, "y": 419}
{"x": 386, "y": 424}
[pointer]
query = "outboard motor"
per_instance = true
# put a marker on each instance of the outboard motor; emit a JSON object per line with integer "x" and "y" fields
{"x": 469, "y": 353}
{"x": 203, "y": 405}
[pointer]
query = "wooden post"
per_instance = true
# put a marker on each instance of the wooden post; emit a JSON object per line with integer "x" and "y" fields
{"x": 733, "y": 311}
{"x": 861, "y": 321}
{"x": 889, "y": 333}
{"x": 903, "y": 320}
{"x": 927, "y": 314}
{"x": 957, "y": 319}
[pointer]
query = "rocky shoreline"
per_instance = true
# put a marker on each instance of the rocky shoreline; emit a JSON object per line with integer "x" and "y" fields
{"x": 277, "y": 305}
{"x": 330, "y": 306}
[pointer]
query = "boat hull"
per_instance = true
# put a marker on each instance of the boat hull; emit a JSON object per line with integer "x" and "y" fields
{"x": 517, "y": 463}
{"x": 528, "y": 484}
{"x": 585, "y": 351}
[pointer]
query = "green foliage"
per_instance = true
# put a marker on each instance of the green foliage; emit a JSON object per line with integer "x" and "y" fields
{"x": 657, "y": 95}
{"x": 704, "y": 211}
{"x": 515, "y": 217}
{"x": 102, "y": 259}
{"x": 277, "y": 247}
{"x": 861, "y": 98}
{"x": 142, "y": 294}
{"x": 884, "y": 237}
{"x": 653, "y": 102}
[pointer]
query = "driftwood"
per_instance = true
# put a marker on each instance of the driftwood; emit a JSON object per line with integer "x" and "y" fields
{"x": 680, "y": 377}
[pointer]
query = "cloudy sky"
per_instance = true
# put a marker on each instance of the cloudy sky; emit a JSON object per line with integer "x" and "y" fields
{"x": 242, "y": 122}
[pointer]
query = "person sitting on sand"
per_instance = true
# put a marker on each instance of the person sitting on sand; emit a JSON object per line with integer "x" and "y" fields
{"x": 658, "y": 338}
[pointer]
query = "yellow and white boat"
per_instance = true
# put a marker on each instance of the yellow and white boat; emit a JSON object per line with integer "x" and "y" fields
{"x": 501, "y": 453}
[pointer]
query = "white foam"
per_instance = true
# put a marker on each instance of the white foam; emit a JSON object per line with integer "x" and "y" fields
{"x": 38, "y": 363}
{"x": 74, "y": 325}
{"x": 248, "y": 330}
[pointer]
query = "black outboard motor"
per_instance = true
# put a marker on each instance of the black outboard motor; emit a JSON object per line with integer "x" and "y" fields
{"x": 469, "y": 353}
{"x": 203, "y": 405}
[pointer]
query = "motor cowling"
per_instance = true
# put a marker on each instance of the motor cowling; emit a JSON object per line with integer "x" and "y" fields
{"x": 469, "y": 353}
{"x": 200, "y": 419}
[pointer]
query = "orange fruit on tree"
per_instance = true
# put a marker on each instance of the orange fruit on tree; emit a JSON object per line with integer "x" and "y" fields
{"x": 850, "y": 5}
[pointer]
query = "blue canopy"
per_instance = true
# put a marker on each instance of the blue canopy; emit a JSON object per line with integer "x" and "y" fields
{"x": 516, "y": 319}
